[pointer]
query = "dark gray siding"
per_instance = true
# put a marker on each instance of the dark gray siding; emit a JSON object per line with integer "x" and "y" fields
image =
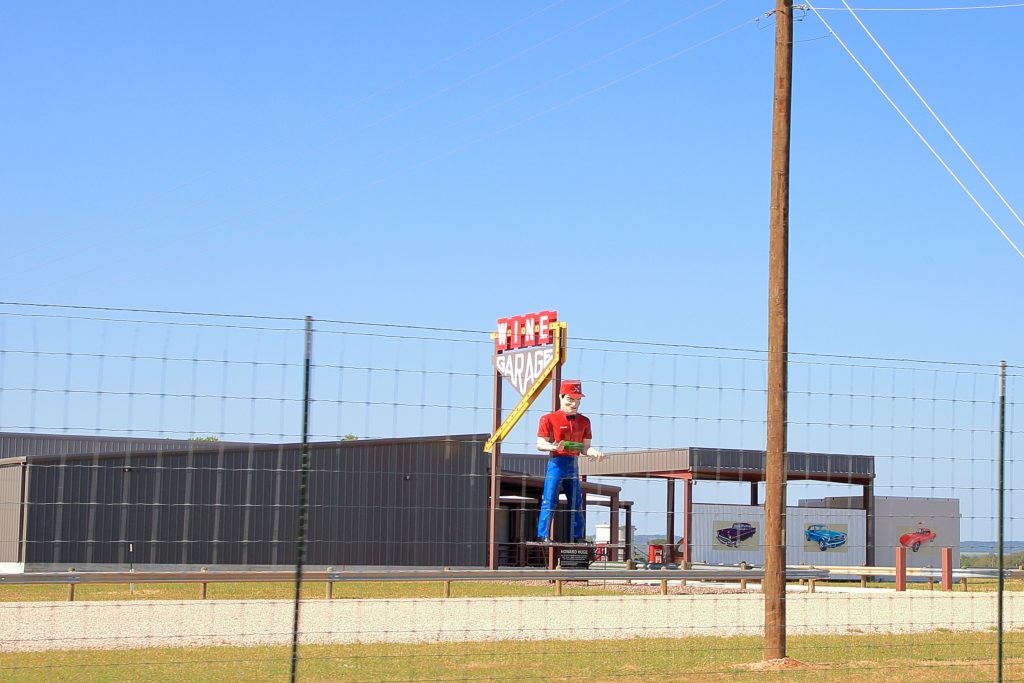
{"x": 395, "y": 502}
{"x": 526, "y": 463}
{"x": 10, "y": 511}
{"x": 399, "y": 503}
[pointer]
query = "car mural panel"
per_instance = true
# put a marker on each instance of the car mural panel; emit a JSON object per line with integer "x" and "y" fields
{"x": 915, "y": 539}
{"x": 733, "y": 536}
{"x": 823, "y": 537}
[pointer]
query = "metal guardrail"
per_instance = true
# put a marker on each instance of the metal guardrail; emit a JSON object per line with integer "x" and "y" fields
{"x": 890, "y": 571}
{"x": 932, "y": 574}
{"x": 402, "y": 575}
{"x": 446, "y": 576}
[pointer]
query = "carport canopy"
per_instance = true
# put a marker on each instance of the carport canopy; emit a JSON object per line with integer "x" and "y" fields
{"x": 733, "y": 465}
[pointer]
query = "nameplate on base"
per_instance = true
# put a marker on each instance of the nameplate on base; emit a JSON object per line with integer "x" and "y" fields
{"x": 574, "y": 558}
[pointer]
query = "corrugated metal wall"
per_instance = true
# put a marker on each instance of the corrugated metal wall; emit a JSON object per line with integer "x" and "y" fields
{"x": 394, "y": 502}
{"x": 526, "y": 463}
{"x": 401, "y": 503}
{"x": 10, "y": 511}
{"x": 163, "y": 508}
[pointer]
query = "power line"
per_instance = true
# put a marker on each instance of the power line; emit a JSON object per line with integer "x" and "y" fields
{"x": 326, "y": 117}
{"x": 533, "y": 117}
{"x": 416, "y": 328}
{"x": 915, "y": 9}
{"x": 522, "y": 93}
{"x": 400, "y": 171}
{"x": 918, "y": 133}
{"x": 935, "y": 116}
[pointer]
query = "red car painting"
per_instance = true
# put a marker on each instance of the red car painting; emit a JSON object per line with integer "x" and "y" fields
{"x": 914, "y": 539}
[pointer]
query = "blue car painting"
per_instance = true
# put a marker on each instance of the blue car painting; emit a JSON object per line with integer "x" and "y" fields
{"x": 825, "y": 538}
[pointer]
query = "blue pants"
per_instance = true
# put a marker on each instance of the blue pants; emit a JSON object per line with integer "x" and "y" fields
{"x": 562, "y": 473}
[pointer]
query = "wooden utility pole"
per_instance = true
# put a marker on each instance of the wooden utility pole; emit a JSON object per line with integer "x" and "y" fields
{"x": 774, "y": 587}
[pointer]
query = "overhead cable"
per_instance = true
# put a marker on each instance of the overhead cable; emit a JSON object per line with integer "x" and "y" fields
{"x": 918, "y": 133}
{"x": 919, "y": 9}
{"x": 934, "y": 115}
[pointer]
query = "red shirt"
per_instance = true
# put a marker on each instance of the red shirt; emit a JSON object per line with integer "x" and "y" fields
{"x": 558, "y": 426}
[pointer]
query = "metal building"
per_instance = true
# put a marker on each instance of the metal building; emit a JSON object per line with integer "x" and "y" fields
{"x": 108, "y": 502}
{"x": 73, "y": 501}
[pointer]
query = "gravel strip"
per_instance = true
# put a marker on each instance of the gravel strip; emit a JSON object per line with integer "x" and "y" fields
{"x": 105, "y": 625}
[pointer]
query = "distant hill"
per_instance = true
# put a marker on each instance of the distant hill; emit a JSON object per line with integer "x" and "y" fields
{"x": 990, "y": 547}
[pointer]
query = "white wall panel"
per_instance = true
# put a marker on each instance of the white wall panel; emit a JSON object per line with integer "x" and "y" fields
{"x": 892, "y": 515}
{"x": 707, "y": 518}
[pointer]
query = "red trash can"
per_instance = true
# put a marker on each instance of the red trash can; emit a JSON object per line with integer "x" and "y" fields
{"x": 656, "y": 554}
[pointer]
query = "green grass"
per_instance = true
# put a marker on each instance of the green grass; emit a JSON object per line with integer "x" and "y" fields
{"x": 285, "y": 591}
{"x": 931, "y": 657}
{"x": 358, "y": 590}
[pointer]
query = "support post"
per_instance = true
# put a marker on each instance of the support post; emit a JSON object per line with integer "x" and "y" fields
{"x": 901, "y": 569}
{"x": 687, "y": 522}
{"x": 778, "y": 341}
{"x": 613, "y": 531}
{"x": 670, "y": 519}
{"x": 869, "y": 524}
{"x": 629, "y": 533}
{"x": 300, "y": 545}
{"x": 1001, "y": 559}
{"x": 947, "y": 569}
{"x": 495, "y": 481}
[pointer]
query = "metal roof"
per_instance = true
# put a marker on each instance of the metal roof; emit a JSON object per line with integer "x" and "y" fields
{"x": 33, "y": 445}
{"x": 39, "y": 448}
{"x": 730, "y": 464}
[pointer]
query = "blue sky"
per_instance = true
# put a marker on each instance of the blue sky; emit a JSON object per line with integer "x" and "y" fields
{"x": 444, "y": 164}
{"x": 420, "y": 163}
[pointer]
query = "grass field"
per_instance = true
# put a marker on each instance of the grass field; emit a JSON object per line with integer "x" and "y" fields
{"x": 284, "y": 591}
{"x": 356, "y": 590}
{"x": 932, "y": 657}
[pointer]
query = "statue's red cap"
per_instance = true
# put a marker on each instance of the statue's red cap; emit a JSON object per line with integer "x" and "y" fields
{"x": 571, "y": 387}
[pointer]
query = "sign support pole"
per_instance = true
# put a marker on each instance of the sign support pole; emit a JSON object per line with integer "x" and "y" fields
{"x": 492, "y": 534}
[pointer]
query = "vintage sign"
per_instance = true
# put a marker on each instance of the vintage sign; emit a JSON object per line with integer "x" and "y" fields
{"x": 528, "y": 349}
{"x": 522, "y": 368}
{"x": 524, "y": 331}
